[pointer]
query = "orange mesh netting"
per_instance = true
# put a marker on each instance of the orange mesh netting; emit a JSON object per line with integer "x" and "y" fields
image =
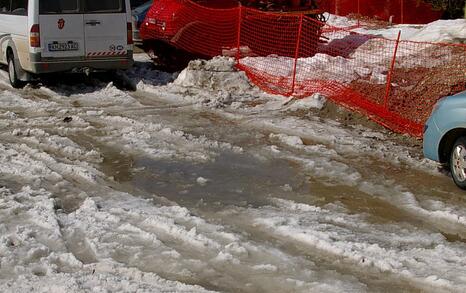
{"x": 395, "y": 83}
{"x": 401, "y": 11}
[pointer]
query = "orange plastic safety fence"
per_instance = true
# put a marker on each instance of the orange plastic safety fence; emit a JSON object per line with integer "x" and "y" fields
{"x": 193, "y": 27}
{"x": 395, "y": 83}
{"x": 398, "y": 11}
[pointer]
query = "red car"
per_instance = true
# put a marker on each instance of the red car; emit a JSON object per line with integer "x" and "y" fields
{"x": 161, "y": 14}
{"x": 175, "y": 31}
{"x": 202, "y": 28}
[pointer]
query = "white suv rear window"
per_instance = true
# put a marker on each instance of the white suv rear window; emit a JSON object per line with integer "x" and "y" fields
{"x": 58, "y": 6}
{"x": 103, "y": 6}
{"x": 80, "y": 6}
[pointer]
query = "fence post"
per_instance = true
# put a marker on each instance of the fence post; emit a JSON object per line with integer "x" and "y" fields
{"x": 390, "y": 73}
{"x": 359, "y": 12}
{"x": 238, "y": 40}
{"x": 296, "y": 54}
{"x": 402, "y": 12}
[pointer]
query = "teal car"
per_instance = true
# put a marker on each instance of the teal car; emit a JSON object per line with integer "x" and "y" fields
{"x": 445, "y": 136}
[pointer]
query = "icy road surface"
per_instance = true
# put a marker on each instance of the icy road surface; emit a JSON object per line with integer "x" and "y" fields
{"x": 207, "y": 184}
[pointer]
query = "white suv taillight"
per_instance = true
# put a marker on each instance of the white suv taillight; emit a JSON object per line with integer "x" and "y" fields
{"x": 130, "y": 33}
{"x": 34, "y": 37}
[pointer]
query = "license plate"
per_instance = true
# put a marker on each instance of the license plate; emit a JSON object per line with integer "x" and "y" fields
{"x": 62, "y": 46}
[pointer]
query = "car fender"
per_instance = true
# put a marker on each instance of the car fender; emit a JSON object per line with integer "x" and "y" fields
{"x": 450, "y": 119}
{"x": 431, "y": 141}
{"x": 441, "y": 124}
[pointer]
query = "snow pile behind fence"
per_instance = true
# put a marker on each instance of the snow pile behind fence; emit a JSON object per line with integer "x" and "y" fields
{"x": 394, "y": 82}
{"x": 397, "y": 11}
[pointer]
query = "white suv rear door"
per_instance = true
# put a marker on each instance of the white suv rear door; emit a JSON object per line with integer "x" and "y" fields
{"x": 61, "y": 29}
{"x": 105, "y": 28}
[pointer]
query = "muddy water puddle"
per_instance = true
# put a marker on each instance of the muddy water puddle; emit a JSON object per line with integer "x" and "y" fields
{"x": 231, "y": 179}
{"x": 244, "y": 182}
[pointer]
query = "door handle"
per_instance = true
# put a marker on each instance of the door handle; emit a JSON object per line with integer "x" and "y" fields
{"x": 93, "y": 22}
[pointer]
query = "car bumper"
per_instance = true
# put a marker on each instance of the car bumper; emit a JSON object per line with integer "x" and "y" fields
{"x": 42, "y": 66}
{"x": 432, "y": 137}
{"x": 137, "y": 37}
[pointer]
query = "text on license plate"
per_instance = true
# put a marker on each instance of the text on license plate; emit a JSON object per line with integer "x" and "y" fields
{"x": 63, "y": 46}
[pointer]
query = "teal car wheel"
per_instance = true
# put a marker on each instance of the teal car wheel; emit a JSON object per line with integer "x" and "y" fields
{"x": 458, "y": 162}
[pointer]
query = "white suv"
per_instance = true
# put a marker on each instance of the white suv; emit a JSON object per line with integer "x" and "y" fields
{"x": 45, "y": 36}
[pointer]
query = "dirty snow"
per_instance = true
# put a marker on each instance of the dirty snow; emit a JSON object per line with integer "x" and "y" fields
{"x": 200, "y": 182}
{"x": 440, "y": 31}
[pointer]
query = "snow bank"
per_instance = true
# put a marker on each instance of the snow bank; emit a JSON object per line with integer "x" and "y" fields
{"x": 441, "y": 31}
{"x": 217, "y": 84}
{"x": 214, "y": 83}
{"x": 339, "y": 21}
{"x": 217, "y": 74}
{"x": 365, "y": 56}
{"x": 366, "y": 61}
{"x": 322, "y": 67}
